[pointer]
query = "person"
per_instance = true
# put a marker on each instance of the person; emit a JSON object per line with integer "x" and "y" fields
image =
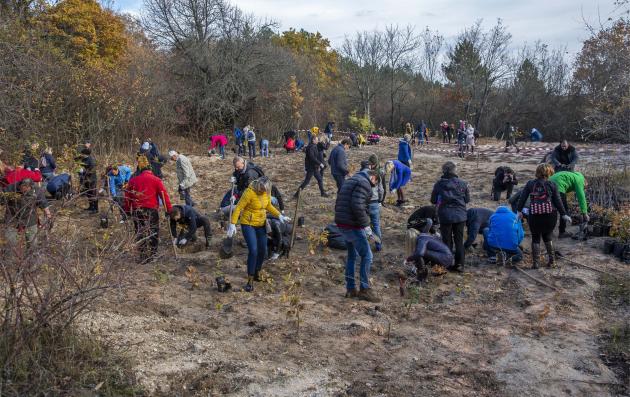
{"x": 47, "y": 164}
{"x": 299, "y": 144}
{"x": 186, "y": 177}
{"x": 354, "y": 139}
{"x": 377, "y": 198}
{"x": 542, "y": 212}
{"x": 117, "y": 177}
{"x": 476, "y": 220}
{"x": 373, "y": 139}
{"x": 245, "y": 172}
{"x": 17, "y": 174}
{"x": 289, "y": 135}
{"x": 322, "y": 146}
{"x": 250, "y": 135}
{"x": 423, "y": 216}
{"x": 314, "y": 164}
{"x": 429, "y": 250}
{"x": 564, "y": 157}
{"x": 88, "y": 179}
{"x": 450, "y": 194}
{"x": 220, "y": 141}
{"x": 21, "y": 217}
{"x": 330, "y": 126}
{"x": 150, "y": 150}
{"x": 353, "y": 220}
{"x": 252, "y": 211}
{"x": 451, "y": 131}
{"x": 338, "y": 162}
{"x": 290, "y": 145}
{"x": 445, "y": 132}
{"x": 510, "y": 139}
{"x": 404, "y": 150}
{"x": 239, "y": 138}
{"x": 400, "y": 175}
{"x": 535, "y": 135}
{"x": 409, "y": 131}
{"x": 503, "y": 237}
{"x": 422, "y": 133}
{"x": 461, "y": 142}
{"x": 504, "y": 180}
{"x": 187, "y": 216}
{"x": 264, "y": 148}
{"x": 60, "y": 186}
{"x": 29, "y": 162}
{"x": 142, "y": 200}
{"x": 567, "y": 182}
{"x": 470, "y": 139}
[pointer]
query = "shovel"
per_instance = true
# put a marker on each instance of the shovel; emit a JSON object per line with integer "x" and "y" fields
{"x": 295, "y": 221}
{"x": 170, "y": 231}
{"x": 226, "y": 245}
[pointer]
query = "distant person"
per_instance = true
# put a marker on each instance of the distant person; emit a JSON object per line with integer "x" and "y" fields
{"x": 510, "y": 139}
{"x": 338, "y": 162}
{"x": 330, "y": 126}
{"x": 470, "y": 139}
{"x": 399, "y": 176}
{"x": 89, "y": 179}
{"x": 22, "y": 201}
{"x": 47, "y": 164}
{"x": 250, "y": 135}
{"x": 186, "y": 177}
{"x": 29, "y": 162}
{"x": 564, "y": 157}
{"x": 404, "y": 150}
{"x": 314, "y": 164}
{"x": 239, "y": 139}
{"x": 264, "y": 148}
{"x": 60, "y": 186}
{"x": 187, "y": 216}
{"x": 219, "y": 141}
{"x": 504, "y": 181}
{"x": 503, "y": 237}
{"x": 535, "y": 135}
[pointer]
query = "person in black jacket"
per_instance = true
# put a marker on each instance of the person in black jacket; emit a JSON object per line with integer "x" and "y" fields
{"x": 338, "y": 162}
{"x": 424, "y": 219}
{"x": 564, "y": 157}
{"x": 189, "y": 217}
{"x": 504, "y": 180}
{"x": 314, "y": 164}
{"x": 450, "y": 194}
{"x": 477, "y": 219}
{"x": 353, "y": 220}
{"x": 245, "y": 172}
{"x": 29, "y": 162}
{"x": 88, "y": 179}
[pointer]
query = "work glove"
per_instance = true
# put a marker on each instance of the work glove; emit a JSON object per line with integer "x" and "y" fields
{"x": 393, "y": 191}
{"x": 232, "y": 200}
{"x": 370, "y": 234}
{"x": 81, "y": 170}
{"x": 231, "y": 230}
{"x": 182, "y": 242}
{"x": 284, "y": 219}
{"x": 232, "y": 179}
{"x": 585, "y": 218}
{"x": 322, "y": 166}
{"x": 410, "y": 164}
{"x": 567, "y": 219}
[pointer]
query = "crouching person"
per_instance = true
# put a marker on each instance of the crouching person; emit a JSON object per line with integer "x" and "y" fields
{"x": 60, "y": 186}
{"x": 503, "y": 237}
{"x": 187, "y": 216}
{"x": 22, "y": 200}
{"x": 278, "y": 235}
{"x": 429, "y": 251}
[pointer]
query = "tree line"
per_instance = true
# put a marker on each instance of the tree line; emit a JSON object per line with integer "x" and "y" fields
{"x": 75, "y": 69}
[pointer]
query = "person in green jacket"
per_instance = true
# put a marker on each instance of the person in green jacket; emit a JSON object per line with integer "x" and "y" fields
{"x": 567, "y": 182}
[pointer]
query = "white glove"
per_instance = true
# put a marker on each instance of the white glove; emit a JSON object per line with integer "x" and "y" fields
{"x": 410, "y": 164}
{"x": 526, "y": 211}
{"x": 393, "y": 191}
{"x": 322, "y": 166}
{"x": 232, "y": 179}
{"x": 101, "y": 191}
{"x": 567, "y": 218}
{"x": 182, "y": 242}
{"x": 81, "y": 170}
{"x": 284, "y": 219}
{"x": 231, "y": 230}
{"x": 232, "y": 200}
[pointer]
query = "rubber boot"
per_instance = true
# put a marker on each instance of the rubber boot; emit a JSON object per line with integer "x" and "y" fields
{"x": 535, "y": 255}
{"x": 550, "y": 254}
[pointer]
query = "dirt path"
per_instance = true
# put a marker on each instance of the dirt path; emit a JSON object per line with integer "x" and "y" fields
{"x": 488, "y": 332}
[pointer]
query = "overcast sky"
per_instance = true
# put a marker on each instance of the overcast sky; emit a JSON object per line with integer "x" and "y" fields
{"x": 558, "y": 23}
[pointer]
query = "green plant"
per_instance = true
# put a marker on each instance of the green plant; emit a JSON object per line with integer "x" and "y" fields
{"x": 621, "y": 225}
{"x": 361, "y": 124}
{"x": 413, "y": 298}
{"x": 292, "y": 296}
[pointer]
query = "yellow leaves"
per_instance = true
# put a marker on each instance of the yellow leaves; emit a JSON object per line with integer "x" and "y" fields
{"x": 193, "y": 277}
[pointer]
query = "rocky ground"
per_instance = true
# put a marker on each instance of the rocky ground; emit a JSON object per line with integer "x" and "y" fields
{"x": 489, "y": 331}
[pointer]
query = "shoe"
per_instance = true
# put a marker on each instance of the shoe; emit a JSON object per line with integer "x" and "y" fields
{"x": 565, "y": 235}
{"x": 248, "y": 287}
{"x": 275, "y": 256}
{"x": 551, "y": 261}
{"x": 257, "y": 277}
{"x": 378, "y": 247}
{"x": 368, "y": 295}
{"x": 456, "y": 268}
{"x": 351, "y": 293}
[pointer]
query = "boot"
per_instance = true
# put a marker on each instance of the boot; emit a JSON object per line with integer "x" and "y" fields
{"x": 249, "y": 287}
{"x": 257, "y": 276}
{"x": 208, "y": 242}
{"x": 550, "y": 254}
{"x": 535, "y": 255}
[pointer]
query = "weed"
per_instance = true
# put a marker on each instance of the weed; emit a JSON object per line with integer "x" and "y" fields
{"x": 292, "y": 296}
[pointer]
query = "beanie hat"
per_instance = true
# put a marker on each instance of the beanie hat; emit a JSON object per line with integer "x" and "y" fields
{"x": 373, "y": 160}
{"x": 85, "y": 151}
{"x": 172, "y": 153}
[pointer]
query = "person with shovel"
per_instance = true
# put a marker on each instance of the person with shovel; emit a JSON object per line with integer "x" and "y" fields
{"x": 116, "y": 178}
{"x": 252, "y": 211}
{"x": 187, "y": 216}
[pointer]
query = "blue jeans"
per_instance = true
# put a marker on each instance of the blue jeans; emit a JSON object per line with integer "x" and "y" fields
{"x": 251, "y": 146}
{"x": 374, "y": 210}
{"x": 222, "y": 151}
{"x": 339, "y": 180}
{"x": 516, "y": 256}
{"x": 184, "y": 194}
{"x": 264, "y": 149}
{"x": 357, "y": 243}
{"x": 256, "y": 239}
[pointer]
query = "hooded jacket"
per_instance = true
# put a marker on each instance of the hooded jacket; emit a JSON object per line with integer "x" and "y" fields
{"x": 313, "y": 158}
{"x": 185, "y": 173}
{"x": 566, "y": 158}
{"x": 400, "y": 176}
{"x": 252, "y": 209}
{"x": 505, "y": 231}
{"x": 570, "y": 181}
{"x": 404, "y": 151}
{"x": 116, "y": 182}
{"x": 351, "y": 207}
{"x": 451, "y": 195}
{"x": 338, "y": 161}
{"x": 250, "y": 173}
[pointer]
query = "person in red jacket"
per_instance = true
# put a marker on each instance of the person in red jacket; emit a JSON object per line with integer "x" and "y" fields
{"x": 18, "y": 174}
{"x": 142, "y": 200}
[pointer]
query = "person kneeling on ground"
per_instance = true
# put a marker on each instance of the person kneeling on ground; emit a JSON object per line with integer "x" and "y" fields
{"x": 189, "y": 217}
{"x": 477, "y": 219}
{"x": 503, "y": 237}
{"x": 564, "y": 157}
{"x": 429, "y": 250}
{"x": 504, "y": 180}
{"x": 252, "y": 210}
{"x": 353, "y": 220}
{"x": 422, "y": 216}
{"x": 278, "y": 237}
{"x": 60, "y": 186}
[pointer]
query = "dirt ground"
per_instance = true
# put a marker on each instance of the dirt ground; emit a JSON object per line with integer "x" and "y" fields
{"x": 488, "y": 331}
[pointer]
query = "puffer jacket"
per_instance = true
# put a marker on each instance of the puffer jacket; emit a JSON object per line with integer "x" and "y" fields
{"x": 505, "y": 231}
{"x": 252, "y": 209}
{"x": 250, "y": 173}
{"x": 185, "y": 173}
{"x": 565, "y": 159}
{"x": 313, "y": 158}
{"x": 433, "y": 249}
{"x": 351, "y": 207}
{"x": 451, "y": 195}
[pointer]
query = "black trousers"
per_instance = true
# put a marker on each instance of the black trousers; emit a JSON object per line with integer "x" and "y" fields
{"x": 202, "y": 221}
{"x": 542, "y": 226}
{"x": 339, "y": 179}
{"x": 88, "y": 187}
{"x": 563, "y": 224}
{"x": 454, "y": 233}
{"x": 317, "y": 173}
{"x": 497, "y": 188}
{"x": 147, "y": 223}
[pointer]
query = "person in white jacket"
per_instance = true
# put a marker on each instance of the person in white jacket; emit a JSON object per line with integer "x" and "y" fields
{"x": 470, "y": 138}
{"x": 186, "y": 177}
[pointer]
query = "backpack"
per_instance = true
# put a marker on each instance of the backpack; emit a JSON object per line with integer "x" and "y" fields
{"x": 540, "y": 200}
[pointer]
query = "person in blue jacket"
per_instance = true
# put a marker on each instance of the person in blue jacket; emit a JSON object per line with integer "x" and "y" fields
{"x": 299, "y": 145}
{"x": 117, "y": 177}
{"x": 477, "y": 219}
{"x": 503, "y": 236}
{"x": 59, "y": 186}
{"x": 338, "y": 162}
{"x": 239, "y": 139}
{"x": 400, "y": 175}
{"x": 47, "y": 164}
{"x": 535, "y": 135}
{"x": 404, "y": 151}
{"x": 189, "y": 217}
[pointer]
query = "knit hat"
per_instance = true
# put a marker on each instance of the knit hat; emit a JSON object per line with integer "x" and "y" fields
{"x": 373, "y": 160}
{"x": 143, "y": 163}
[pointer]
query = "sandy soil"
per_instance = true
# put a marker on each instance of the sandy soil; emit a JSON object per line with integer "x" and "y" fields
{"x": 486, "y": 332}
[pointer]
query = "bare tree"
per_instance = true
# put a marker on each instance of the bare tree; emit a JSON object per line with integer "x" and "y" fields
{"x": 432, "y": 43}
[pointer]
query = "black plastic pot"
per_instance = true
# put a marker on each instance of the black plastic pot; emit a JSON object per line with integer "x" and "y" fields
{"x": 606, "y": 231}
{"x": 609, "y": 246}
{"x": 597, "y": 231}
{"x": 619, "y": 248}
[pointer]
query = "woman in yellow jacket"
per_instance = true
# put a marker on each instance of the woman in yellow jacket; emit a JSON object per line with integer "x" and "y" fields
{"x": 252, "y": 210}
